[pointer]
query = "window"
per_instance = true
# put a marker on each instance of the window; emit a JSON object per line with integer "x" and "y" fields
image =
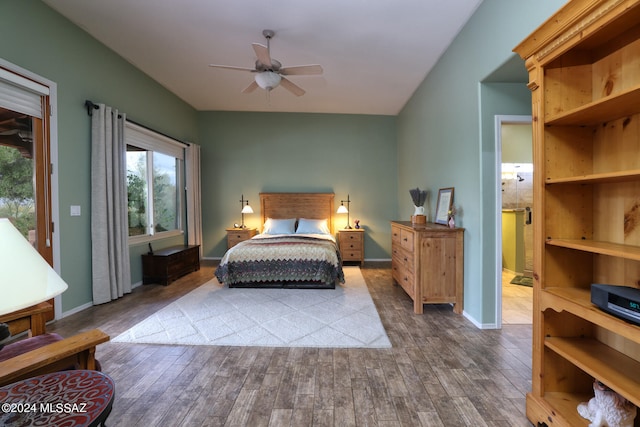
{"x": 154, "y": 180}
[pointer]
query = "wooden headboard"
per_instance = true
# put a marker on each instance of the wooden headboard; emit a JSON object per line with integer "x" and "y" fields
{"x": 297, "y": 205}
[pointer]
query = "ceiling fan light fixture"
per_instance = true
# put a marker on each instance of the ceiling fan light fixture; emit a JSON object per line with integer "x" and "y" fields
{"x": 268, "y": 80}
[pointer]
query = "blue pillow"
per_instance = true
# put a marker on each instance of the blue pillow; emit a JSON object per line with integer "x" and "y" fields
{"x": 279, "y": 226}
{"x": 312, "y": 226}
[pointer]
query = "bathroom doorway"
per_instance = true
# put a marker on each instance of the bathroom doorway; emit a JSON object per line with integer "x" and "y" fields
{"x": 514, "y": 219}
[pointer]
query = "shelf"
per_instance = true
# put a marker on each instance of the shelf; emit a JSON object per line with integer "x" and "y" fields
{"x": 600, "y": 111}
{"x": 585, "y": 90}
{"x": 596, "y": 247}
{"x": 564, "y": 406}
{"x": 578, "y": 302}
{"x": 613, "y": 368}
{"x": 598, "y": 178}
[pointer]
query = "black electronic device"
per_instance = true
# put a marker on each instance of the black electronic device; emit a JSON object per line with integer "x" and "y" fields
{"x": 620, "y": 301}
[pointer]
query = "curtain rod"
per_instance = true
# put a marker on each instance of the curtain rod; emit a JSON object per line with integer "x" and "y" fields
{"x": 90, "y": 106}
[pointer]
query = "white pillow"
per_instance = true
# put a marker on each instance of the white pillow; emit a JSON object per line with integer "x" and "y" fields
{"x": 279, "y": 226}
{"x": 312, "y": 226}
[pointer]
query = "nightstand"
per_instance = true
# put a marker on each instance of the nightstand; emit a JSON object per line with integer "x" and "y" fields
{"x": 351, "y": 242}
{"x": 237, "y": 235}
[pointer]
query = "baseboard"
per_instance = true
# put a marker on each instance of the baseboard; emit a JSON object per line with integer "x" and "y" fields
{"x": 77, "y": 309}
{"x": 478, "y": 324}
{"x": 90, "y": 304}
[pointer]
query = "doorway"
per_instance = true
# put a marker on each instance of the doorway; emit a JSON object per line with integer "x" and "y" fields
{"x": 514, "y": 229}
{"x": 27, "y": 157}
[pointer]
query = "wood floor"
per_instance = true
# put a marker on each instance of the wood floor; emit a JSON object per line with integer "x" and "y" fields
{"x": 441, "y": 371}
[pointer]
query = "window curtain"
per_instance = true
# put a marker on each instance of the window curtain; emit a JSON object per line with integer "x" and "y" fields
{"x": 109, "y": 225}
{"x": 194, "y": 212}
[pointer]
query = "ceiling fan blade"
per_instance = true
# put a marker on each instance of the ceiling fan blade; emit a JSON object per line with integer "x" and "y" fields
{"x": 253, "y": 86}
{"x": 262, "y": 52}
{"x": 231, "y": 67}
{"x": 302, "y": 70}
{"x": 291, "y": 87}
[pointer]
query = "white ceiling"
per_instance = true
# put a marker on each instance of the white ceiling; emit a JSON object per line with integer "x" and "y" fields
{"x": 374, "y": 53}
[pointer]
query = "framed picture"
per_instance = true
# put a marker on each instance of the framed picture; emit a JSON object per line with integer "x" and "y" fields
{"x": 445, "y": 201}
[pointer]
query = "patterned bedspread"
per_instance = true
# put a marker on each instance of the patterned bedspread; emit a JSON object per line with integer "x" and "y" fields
{"x": 282, "y": 258}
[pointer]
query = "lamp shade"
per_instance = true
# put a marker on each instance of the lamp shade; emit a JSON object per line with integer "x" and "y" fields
{"x": 26, "y": 278}
{"x": 247, "y": 209}
{"x": 267, "y": 80}
{"x": 342, "y": 209}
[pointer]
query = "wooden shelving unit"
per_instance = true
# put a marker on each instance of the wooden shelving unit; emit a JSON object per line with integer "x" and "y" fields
{"x": 584, "y": 74}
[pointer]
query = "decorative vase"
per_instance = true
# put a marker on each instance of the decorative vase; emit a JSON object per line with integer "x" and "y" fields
{"x": 418, "y": 216}
{"x": 452, "y": 223}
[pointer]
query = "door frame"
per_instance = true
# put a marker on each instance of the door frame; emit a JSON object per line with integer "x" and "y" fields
{"x": 22, "y": 79}
{"x": 499, "y": 121}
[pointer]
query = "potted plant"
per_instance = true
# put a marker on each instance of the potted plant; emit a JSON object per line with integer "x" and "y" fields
{"x": 418, "y": 197}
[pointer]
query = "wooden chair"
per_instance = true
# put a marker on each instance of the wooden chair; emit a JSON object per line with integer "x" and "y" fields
{"x": 76, "y": 352}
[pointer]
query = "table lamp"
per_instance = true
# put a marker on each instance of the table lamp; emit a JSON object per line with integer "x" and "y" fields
{"x": 246, "y": 209}
{"x": 26, "y": 278}
{"x": 342, "y": 209}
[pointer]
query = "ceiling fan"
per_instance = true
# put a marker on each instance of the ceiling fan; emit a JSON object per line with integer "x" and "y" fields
{"x": 269, "y": 73}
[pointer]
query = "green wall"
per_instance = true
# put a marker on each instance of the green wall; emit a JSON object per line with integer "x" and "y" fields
{"x": 34, "y": 37}
{"x": 249, "y": 153}
{"x": 445, "y": 135}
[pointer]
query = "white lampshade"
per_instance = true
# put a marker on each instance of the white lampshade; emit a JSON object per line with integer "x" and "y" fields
{"x": 342, "y": 209}
{"x": 267, "y": 80}
{"x": 26, "y": 278}
{"x": 247, "y": 209}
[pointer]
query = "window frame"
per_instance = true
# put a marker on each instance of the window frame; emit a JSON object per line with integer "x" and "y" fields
{"x": 149, "y": 140}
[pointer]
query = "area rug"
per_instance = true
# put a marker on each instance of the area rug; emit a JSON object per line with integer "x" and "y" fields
{"x": 522, "y": 281}
{"x": 213, "y": 314}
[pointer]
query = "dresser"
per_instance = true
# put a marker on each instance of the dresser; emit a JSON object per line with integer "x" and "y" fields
{"x": 427, "y": 260}
{"x": 237, "y": 235}
{"x": 166, "y": 265}
{"x": 351, "y": 243}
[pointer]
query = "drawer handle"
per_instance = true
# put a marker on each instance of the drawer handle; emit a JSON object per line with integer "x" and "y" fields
{"x": 406, "y": 259}
{"x": 405, "y": 239}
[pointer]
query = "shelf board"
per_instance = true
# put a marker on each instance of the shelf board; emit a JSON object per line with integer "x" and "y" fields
{"x": 597, "y": 247}
{"x": 577, "y": 301}
{"x": 598, "y": 178}
{"x": 565, "y": 404}
{"x": 602, "y": 362}
{"x": 600, "y": 111}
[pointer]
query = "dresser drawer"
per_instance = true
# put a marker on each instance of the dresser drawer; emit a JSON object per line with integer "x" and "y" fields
{"x": 235, "y": 238}
{"x": 406, "y": 239}
{"x": 350, "y": 239}
{"x": 406, "y": 280}
{"x": 395, "y": 235}
{"x": 351, "y": 255}
{"x": 237, "y": 235}
{"x": 403, "y": 258}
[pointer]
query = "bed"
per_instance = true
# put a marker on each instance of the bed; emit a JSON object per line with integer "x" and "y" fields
{"x": 296, "y": 248}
